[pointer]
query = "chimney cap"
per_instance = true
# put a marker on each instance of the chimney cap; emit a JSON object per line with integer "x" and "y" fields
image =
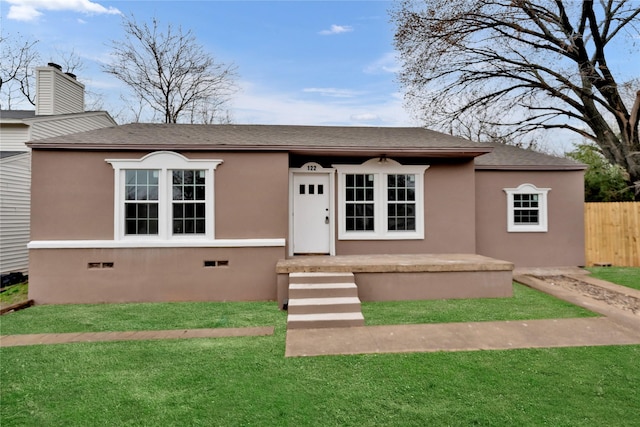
{"x": 73, "y": 76}
{"x": 54, "y": 65}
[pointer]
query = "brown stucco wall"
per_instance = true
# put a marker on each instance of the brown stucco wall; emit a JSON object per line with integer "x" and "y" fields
{"x": 449, "y": 215}
{"x": 430, "y": 285}
{"x": 561, "y": 245}
{"x": 73, "y": 199}
{"x": 62, "y": 276}
{"x": 73, "y": 193}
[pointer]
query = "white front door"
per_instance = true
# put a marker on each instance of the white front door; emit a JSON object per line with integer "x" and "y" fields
{"x": 312, "y": 219}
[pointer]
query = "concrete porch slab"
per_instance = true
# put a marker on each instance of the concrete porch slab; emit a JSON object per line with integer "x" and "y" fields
{"x": 405, "y": 263}
{"x": 408, "y": 276}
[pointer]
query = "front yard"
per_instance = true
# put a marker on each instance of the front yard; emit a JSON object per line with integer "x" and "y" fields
{"x": 247, "y": 381}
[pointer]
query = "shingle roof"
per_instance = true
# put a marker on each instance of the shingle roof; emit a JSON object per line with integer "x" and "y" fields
{"x": 320, "y": 140}
{"x": 17, "y": 114}
{"x": 507, "y": 157}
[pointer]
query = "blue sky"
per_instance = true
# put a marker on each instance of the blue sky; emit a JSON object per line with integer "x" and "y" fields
{"x": 299, "y": 62}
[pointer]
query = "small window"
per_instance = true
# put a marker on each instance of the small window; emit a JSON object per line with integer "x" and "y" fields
{"x": 302, "y": 188}
{"x": 526, "y": 209}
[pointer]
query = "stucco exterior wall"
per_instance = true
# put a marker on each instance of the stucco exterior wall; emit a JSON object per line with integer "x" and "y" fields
{"x": 73, "y": 200}
{"x": 449, "y": 216}
{"x": 73, "y": 194}
{"x": 561, "y": 245}
{"x": 64, "y": 276}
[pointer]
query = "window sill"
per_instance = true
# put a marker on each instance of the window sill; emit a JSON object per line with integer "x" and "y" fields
{"x": 117, "y": 244}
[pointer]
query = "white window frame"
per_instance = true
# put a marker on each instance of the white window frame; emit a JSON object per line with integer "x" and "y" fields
{"x": 380, "y": 168}
{"x": 164, "y": 162}
{"x": 542, "y": 226}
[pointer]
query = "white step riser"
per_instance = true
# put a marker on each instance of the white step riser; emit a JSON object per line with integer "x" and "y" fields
{"x": 322, "y": 290}
{"x": 337, "y": 320}
{"x": 325, "y": 324}
{"x": 333, "y": 308}
{"x": 323, "y": 300}
{"x": 321, "y": 278}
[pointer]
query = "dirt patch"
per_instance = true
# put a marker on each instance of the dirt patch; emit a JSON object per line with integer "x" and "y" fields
{"x": 611, "y": 297}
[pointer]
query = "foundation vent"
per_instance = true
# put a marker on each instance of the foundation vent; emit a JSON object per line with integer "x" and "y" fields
{"x": 95, "y": 265}
{"x": 214, "y": 264}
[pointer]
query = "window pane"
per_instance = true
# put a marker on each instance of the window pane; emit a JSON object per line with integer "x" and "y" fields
{"x": 302, "y": 187}
{"x": 189, "y": 218}
{"x": 141, "y": 218}
{"x": 320, "y": 189}
{"x": 141, "y": 177}
{"x": 130, "y": 177}
{"x": 401, "y": 215}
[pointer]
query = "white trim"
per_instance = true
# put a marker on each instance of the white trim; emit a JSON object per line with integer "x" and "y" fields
{"x": 117, "y": 244}
{"x": 381, "y": 167}
{"x": 542, "y": 225}
{"x": 163, "y": 161}
{"x": 314, "y": 168}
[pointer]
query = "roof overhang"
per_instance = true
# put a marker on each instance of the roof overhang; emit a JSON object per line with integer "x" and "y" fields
{"x": 576, "y": 167}
{"x": 449, "y": 152}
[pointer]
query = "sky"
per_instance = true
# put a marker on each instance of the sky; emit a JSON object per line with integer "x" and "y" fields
{"x": 298, "y": 62}
{"x": 301, "y": 62}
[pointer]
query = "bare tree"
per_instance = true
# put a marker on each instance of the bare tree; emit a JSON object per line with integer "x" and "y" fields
{"x": 169, "y": 70}
{"x": 17, "y": 68}
{"x": 543, "y": 64}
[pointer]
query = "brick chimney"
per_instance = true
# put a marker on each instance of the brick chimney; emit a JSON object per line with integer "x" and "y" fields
{"x": 57, "y": 92}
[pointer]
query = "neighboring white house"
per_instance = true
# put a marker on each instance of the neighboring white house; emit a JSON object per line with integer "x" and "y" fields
{"x": 59, "y": 111}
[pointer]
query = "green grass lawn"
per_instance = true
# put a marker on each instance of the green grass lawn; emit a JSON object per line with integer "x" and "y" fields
{"x": 625, "y": 276}
{"x": 247, "y": 381}
{"x": 526, "y": 303}
{"x": 14, "y": 294}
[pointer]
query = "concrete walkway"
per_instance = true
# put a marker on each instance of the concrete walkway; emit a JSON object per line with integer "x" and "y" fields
{"x": 459, "y": 337}
{"x": 616, "y": 327}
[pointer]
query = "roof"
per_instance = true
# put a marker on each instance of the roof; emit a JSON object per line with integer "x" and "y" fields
{"x": 18, "y": 115}
{"x": 311, "y": 140}
{"x": 509, "y": 157}
{"x": 296, "y": 139}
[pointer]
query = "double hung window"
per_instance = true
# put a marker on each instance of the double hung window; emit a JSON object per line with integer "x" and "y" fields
{"x": 380, "y": 199}
{"x": 526, "y": 208}
{"x": 164, "y": 195}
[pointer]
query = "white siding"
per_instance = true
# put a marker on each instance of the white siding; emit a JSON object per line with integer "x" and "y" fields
{"x": 15, "y": 182}
{"x": 13, "y": 137}
{"x": 57, "y": 93}
{"x": 68, "y": 125}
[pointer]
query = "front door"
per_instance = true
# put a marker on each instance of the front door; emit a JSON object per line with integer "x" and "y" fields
{"x": 311, "y": 213}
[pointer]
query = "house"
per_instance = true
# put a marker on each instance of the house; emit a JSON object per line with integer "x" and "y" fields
{"x": 171, "y": 212}
{"x": 59, "y": 111}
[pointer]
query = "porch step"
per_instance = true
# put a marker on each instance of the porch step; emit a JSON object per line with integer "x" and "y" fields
{"x": 324, "y": 320}
{"x": 323, "y": 300}
{"x": 320, "y": 290}
{"x": 324, "y": 305}
{"x": 320, "y": 277}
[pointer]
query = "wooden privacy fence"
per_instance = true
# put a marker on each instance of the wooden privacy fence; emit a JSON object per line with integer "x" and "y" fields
{"x": 612, "y": 233}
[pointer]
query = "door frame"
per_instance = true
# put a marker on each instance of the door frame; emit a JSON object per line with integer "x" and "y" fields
{"x": 307, "y": 169}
